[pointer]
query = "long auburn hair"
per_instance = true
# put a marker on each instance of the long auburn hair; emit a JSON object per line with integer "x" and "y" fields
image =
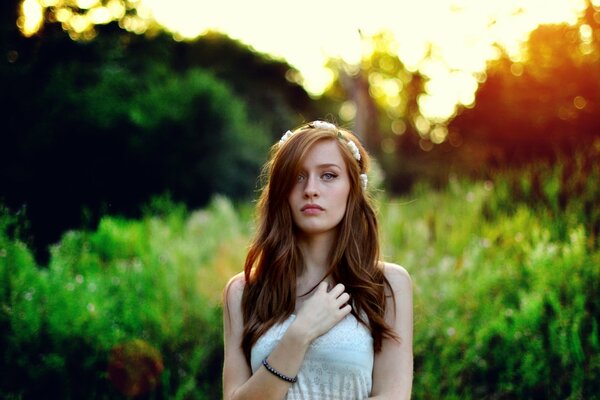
{"x": 274, "y": 258}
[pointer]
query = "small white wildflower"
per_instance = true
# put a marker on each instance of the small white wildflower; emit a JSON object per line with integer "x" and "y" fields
{"x": 354, "y": 149}
{"x": 364, "y": 180}
{"x": 285, "y": 137}
{"x": 324, "y": 125}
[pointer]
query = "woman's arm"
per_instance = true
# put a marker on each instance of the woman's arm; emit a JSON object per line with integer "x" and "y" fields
{"x": 321, "y": 312}
{"x": 393, "y": 365}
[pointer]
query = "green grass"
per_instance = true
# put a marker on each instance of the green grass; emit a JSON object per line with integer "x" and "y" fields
{"x": 506, "y": 280}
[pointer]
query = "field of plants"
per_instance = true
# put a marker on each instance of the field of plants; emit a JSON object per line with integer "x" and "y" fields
{"x": 506, "y": 276}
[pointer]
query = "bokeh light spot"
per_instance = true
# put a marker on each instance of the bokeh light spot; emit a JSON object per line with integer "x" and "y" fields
{"x": 579, "y": 102}
{"x": 388, "y": 145}
{"x": 422, "y": 125}
{"x": 86, "y": 4}
{"x": 516, "y": 69}
{"x": 100, "y": 15}
{"x": 438, "y": 134}
{"x": 425, "y": 145}
{"x": 399, "y": 127}
{"x": 12, "y": 56}
{"x": 586, "y": 33}
{"x": 31, "y": 18}
{"x": 347, "y": 111}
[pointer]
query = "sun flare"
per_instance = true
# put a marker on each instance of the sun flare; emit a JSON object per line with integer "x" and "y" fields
{"x": 449, "y": 41}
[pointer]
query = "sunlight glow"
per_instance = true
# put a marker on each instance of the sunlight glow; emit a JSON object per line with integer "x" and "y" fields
{"x": 449, "y": 41}
{"x": 100, "y": 15}
{"x": 86, "y": 4}
{"x": 459, "y": 35}
{"x": 32, "y": 16}
{"x": 117, "y": 10}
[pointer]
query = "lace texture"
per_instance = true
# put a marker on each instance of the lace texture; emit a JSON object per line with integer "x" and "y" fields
{"x": 337, "y": 365}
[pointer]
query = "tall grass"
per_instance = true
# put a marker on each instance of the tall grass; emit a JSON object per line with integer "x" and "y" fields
{"x": 506, "y": 280}
{"x": 506, "y": 305}
{"x": 156, "y": 280}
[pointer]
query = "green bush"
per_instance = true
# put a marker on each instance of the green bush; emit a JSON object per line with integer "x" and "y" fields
{"x": 506, "y": 306}
{"x": 110, "y": 136}
{"x": 146, "y": 287}
{"x": 506, "y": 281}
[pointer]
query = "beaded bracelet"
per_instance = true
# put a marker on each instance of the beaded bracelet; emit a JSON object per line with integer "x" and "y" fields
{"x": 277, "y": 373}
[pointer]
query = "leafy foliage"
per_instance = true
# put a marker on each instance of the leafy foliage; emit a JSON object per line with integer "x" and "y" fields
{"x": 505, "y": 289}
{"x": 113, "y": 126}
{"x": 543, "y": 105}
{"x": 505, "y": 305}
{"x": 132, "y": 286}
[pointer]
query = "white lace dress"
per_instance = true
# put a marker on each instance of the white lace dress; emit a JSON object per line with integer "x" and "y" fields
{"x": 337, "y": 365}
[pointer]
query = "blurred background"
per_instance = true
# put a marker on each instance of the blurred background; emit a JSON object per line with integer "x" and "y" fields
{"x": 132, "y": 134}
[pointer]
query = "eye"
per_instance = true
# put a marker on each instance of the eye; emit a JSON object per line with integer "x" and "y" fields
{"x": 327, "y": 176}
{"x": 301, "y": 178}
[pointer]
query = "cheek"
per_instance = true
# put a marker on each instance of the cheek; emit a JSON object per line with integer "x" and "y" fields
{"x": 293, "y": 202}
{"x": 293, "y": 196}
{"x": 341, "y": 199}
{"x": 343, "y": 193}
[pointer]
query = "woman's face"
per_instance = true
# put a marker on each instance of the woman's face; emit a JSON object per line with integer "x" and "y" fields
{"x": 319, "y": 196}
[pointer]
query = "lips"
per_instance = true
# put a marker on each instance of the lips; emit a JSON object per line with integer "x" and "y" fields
{"x": 311, "y": 208}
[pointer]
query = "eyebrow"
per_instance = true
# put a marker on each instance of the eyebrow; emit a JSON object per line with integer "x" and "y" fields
{"x": 324, "y": 166}
{"x": 327, "y": 165}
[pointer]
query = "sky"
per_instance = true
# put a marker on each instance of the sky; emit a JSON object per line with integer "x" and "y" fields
{"x": 460, "y": 33}
{"x": 306, "y": 33}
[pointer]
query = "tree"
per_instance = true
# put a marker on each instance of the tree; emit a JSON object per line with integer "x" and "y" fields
{"x": 546, "y": 104}
{"x": 383, "y": 98}
{"x": 271, "y": 88}
{"x": 100, "y": 126}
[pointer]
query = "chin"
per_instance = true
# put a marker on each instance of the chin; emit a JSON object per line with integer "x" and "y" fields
{"x": 315, "y": 230}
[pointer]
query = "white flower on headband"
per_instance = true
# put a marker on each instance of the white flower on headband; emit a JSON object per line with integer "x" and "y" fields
{"x": 285, "y": 137}
{"x": 354, "y": 149}
{"x": 324, "y": 125}
{"x": 364, "y": 180}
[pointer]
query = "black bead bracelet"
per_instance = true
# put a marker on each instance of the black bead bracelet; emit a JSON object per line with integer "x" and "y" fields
{"x": 277, "y": 373}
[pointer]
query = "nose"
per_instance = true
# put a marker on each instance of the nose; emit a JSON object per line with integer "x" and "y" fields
{"x": 311, "y": 189}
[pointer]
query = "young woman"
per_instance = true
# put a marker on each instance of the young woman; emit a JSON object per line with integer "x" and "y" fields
{"x": 316, "y": 314}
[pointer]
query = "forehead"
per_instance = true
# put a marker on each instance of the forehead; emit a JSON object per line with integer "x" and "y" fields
{"x": 324, "y": 152}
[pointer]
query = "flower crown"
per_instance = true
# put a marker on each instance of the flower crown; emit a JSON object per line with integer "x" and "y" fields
{"x": 331, "y": 127}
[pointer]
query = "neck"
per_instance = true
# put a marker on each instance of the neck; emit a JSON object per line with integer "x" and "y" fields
{"x": 315, "y": 250}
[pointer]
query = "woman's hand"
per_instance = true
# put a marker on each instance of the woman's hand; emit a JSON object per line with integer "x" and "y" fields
{"x": 322, "y": 311}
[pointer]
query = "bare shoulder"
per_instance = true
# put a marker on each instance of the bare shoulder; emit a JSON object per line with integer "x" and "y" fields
{"x": 232, "y": 294}
{"x": 237, "y": 282}
{"x": 400, "y": 294}
{"x": 397, "y": 276}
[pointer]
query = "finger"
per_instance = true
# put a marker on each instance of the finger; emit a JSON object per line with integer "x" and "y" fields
{"x": 343, "y": 299}
{"x": 345, "y": 310}
{"x": 337, "y": 290}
